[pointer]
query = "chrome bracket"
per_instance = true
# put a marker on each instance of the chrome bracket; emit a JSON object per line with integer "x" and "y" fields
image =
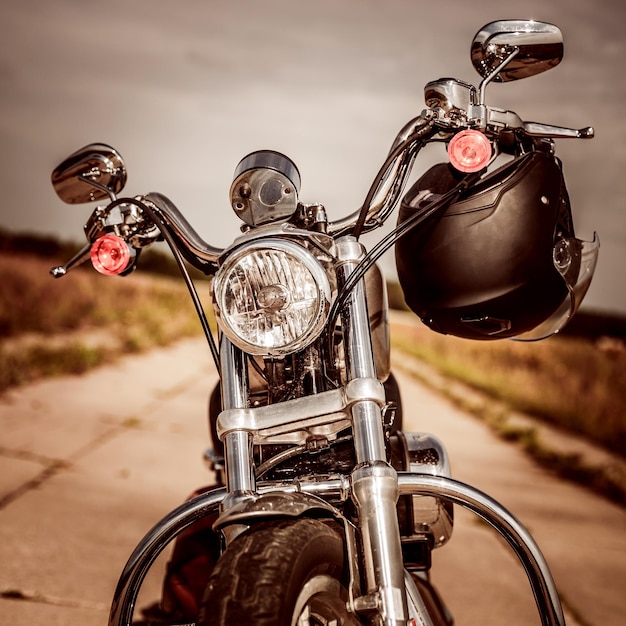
{"x": 294, "y": 421}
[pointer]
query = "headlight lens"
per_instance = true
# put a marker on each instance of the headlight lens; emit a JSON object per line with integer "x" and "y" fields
{"x": 271, "y": 297}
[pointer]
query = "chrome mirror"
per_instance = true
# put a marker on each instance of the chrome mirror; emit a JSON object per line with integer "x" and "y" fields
{"x": 514, "y": 49}
{"x": 92, "y": 173}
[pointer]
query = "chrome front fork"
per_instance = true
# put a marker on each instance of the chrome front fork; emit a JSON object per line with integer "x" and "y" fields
{"x": 240, "y": 477}
{"x": 374, "y": 480}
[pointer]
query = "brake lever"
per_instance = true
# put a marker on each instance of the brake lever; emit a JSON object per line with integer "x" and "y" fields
{"x": 499, "y": 119}
{"x": 535, "y": 129}
{"x": 80, "y": 257}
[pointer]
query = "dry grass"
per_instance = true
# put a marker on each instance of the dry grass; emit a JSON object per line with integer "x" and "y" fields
{"x": 577, "y": 384}
{"x": 50, "y": 326}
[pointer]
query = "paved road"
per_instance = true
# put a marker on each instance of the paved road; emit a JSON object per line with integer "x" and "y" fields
{"x": 582, "y": 536}
{"x": 89, "y": 463}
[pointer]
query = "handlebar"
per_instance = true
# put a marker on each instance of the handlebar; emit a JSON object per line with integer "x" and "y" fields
{"x": 451, "y": 108}
{"x": 182, "y": 229}
{"x": 393, "y": 174}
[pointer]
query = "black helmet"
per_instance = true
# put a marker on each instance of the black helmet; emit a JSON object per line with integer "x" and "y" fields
{"x": 502, "y": 261}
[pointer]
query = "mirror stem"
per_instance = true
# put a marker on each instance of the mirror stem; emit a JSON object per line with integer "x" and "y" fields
{"x": 99, "y": 186}
{"x": 483, "y": 85}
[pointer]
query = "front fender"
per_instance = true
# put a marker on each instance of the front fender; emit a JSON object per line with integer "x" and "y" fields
{"x": 274, "y": 505}
{"x": 269, "y": 504}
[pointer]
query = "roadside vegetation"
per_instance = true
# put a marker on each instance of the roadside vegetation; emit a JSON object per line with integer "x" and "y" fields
{"x": 577, "y": 384}
{"x": 572, "y": 382}
{"x": 68, "y": 325}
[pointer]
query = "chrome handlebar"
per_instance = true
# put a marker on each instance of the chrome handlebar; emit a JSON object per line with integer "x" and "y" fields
{"x": 182, "y": 229}
{"x": 381, "y": 200}
{"x": 451, "y": 106}
{"x": 392, "y": 176}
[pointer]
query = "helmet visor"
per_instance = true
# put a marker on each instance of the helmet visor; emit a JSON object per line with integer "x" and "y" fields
{"x": 575, "y": 259}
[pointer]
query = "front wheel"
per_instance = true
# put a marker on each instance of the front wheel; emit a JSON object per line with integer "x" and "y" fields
{"x": 280, "y": 573}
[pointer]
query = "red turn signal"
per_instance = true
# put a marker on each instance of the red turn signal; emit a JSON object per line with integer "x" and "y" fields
{"x": 110, "y": 255}
{"x": 469, "y": 151}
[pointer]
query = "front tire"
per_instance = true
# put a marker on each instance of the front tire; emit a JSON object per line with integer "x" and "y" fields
{"x": 280, "y": 573}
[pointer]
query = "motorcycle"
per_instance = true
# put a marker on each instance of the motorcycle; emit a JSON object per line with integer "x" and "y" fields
{"x": 325, "y": 510}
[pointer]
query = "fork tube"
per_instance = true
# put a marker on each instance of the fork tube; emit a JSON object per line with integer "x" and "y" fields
{"x": 240, "y": 479}
{"x": 374, "y": 481}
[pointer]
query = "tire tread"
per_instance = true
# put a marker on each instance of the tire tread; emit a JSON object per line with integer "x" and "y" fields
{"x": 252, "y": 578}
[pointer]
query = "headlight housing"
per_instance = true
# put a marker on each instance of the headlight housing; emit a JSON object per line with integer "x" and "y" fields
{"x": 271, "y": 297}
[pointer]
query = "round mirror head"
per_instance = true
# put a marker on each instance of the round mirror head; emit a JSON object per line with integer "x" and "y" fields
{"x": 92, "y": 173}
{"x": 538, "y": 47}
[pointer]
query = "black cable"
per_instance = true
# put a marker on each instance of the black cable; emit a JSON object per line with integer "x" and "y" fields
{"x": 419, "y": 136}
{"x": 393, "y": 155}
{"x": 384, "y": 244}
{"x": 156, "y": 218}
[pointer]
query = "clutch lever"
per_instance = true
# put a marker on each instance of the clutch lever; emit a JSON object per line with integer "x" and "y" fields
{"x": 80, "y": 257}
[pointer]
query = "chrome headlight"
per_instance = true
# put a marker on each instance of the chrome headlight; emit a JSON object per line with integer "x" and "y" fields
{"x": 271, "y": 297}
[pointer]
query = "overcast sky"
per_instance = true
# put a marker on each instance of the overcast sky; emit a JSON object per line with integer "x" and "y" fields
{"x": 184, "y": 89}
